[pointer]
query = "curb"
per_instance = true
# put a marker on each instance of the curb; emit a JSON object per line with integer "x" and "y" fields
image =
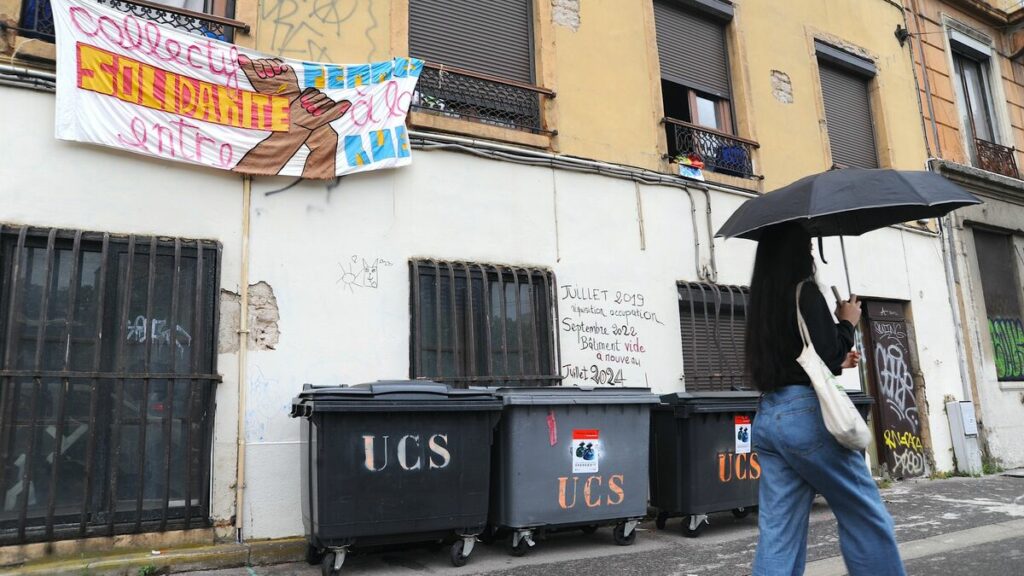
{"x": 170, "y": 561}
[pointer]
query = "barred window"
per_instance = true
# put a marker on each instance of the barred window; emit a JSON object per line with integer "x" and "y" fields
{"x": 712, "y": 322}
{"x": 107, "y": 363}
{"x": 482, "y": 324}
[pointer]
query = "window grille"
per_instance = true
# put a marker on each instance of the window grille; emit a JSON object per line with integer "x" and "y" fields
{"x": 1000, "y": 287}
{"x": 712, "y": 322}
{"x": 107, "y": 344}
{"x": 482, "y": 324}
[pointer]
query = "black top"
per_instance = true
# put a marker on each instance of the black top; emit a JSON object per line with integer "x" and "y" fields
{"x": 831, "y": 341}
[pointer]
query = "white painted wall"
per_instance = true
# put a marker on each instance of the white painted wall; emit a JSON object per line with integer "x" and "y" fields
{"x": 585, "y": 228}
{"x": 47, "y": 182}
{"x": 1002, "y": 403}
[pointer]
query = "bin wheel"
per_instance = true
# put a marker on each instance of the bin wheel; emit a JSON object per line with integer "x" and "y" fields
{"x": 589, "y": 529}
{"x": 314, "y": 555}
{"x": 659, "y": 522}
{"x": 692, "y": 532}
{"x": 458, "y": 560}
{"x": 619, "y": 534}
{"x": 741, "y": 512}
{"x": 519, "y": 549}
{"x": 327, "y": 565}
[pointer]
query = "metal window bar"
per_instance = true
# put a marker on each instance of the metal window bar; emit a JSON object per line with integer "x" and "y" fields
{"x": 497, "y": 299}
{"x": 720, "y": 152}
{"x": 712, "y": 323}
{"x": 996, "y": 158}
{"x": 479, "y": 97}
{"x": 37, "y": 18}
{"x": 47, "y": 358}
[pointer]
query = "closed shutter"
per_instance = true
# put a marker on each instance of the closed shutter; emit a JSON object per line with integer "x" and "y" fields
{"x": 486, "y": 36}
{"x": 848, "y": 113}
{"x": 712, "y": 324}
{"x": 691, "y": 49}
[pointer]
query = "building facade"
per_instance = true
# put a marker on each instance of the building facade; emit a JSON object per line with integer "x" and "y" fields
{"x": 542, "y": 235}
{"x": 973, "y": 100}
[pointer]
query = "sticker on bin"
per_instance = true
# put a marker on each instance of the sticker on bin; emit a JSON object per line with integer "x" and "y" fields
{"x": 742, "y": 434}
{"x": 586, "y": 450}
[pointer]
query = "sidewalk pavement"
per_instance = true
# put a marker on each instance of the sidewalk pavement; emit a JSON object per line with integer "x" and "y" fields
{"x": 953, "y": 527}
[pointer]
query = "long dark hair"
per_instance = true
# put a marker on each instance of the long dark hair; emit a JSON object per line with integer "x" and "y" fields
{"x": 773, "y": 341}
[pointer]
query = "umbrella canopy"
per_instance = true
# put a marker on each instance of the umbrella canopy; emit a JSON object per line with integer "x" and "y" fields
{"x": 849, "y": 202}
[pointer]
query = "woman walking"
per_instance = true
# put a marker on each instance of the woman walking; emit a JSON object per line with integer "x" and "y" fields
{"x": 798, "y": 456}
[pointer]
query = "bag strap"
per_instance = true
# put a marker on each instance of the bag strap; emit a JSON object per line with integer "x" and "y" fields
{"x": 805, "y": 334}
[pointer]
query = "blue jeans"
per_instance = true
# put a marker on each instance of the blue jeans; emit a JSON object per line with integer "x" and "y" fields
{"x": 799, "y": 457}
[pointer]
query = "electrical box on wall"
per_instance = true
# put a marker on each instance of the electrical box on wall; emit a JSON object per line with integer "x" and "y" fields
{"x": 963, "y": 426}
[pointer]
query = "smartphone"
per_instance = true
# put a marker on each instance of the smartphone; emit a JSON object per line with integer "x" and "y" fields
{"x": 835, "y": 292}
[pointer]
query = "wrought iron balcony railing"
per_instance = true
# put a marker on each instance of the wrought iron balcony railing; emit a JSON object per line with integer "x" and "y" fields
{"x": 37, "y": 18}
{"x": 996, "y": 158}
{"x": 463, "y": 94}
{"x": 720, "y": 152}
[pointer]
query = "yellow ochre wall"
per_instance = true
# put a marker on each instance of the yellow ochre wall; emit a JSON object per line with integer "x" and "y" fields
{"x": 779, "y": 36}
{"x": 606, "y": 75}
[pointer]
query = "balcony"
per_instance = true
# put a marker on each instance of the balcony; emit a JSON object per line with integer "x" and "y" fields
{"x": 457, "y": 93}
{"x": 720, "y": 152}
{"x": 37, "y": 18}
{"x": 995, "y": 158}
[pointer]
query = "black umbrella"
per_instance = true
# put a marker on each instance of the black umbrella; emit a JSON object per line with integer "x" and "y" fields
{"x": 849, "y": 202}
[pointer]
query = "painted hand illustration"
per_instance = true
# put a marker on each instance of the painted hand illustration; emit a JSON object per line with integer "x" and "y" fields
{"x": 311, "y": 113}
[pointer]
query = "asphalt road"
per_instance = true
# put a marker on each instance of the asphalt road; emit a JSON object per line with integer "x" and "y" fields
{"x": 954, "y": 527}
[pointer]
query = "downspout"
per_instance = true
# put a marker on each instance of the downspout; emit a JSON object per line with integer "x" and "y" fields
{"x": 948, "y": 254}
{"x": 946, "y": 231}
{"x": 927, "y": 82}
{"x": 243, "y": 346}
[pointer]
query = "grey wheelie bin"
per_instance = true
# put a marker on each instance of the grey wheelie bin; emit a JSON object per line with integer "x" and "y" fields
{"x": 701, "y": 457}
{"x": 394, "y": 462}
{"x": 568, "y": 457}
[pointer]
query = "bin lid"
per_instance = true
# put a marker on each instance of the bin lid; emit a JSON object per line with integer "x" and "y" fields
{"x": 704, "y": 402}
{"x": 565, "y": 395}
{"x": 392, "y": 395}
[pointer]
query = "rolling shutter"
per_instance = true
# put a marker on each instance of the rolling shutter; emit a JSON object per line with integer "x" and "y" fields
{"x": 712, "y": 324}
{"x": 486, "y": 36}
{"x": 691, "y": 49}
{"x": 848, "y": 114}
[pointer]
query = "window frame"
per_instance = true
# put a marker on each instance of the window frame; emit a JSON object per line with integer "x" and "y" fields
{"x": 965, "y": 104}
{"x": 93, "y": 511}
{"x": 722, "y": 14}
{"x": 842, "y": 62}
{"x": 985, "y": 303}
{"x": 467, "y": 371}
{"x": 720, "y": 297}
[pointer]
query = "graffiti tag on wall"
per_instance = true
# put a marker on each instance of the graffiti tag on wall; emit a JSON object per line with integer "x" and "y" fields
{"x": 1008, "y": 342}
{"x": 904, "y": 452}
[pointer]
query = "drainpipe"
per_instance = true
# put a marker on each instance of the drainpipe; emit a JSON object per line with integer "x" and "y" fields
{"x": 946, "y": 230}
{"x": 948, "y": 254}
{"x": 243, "y": 346}
{"x": 927, "y": 82}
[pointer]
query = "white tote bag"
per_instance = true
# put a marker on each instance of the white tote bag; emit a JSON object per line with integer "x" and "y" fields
{"x": 840, "y": 415}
